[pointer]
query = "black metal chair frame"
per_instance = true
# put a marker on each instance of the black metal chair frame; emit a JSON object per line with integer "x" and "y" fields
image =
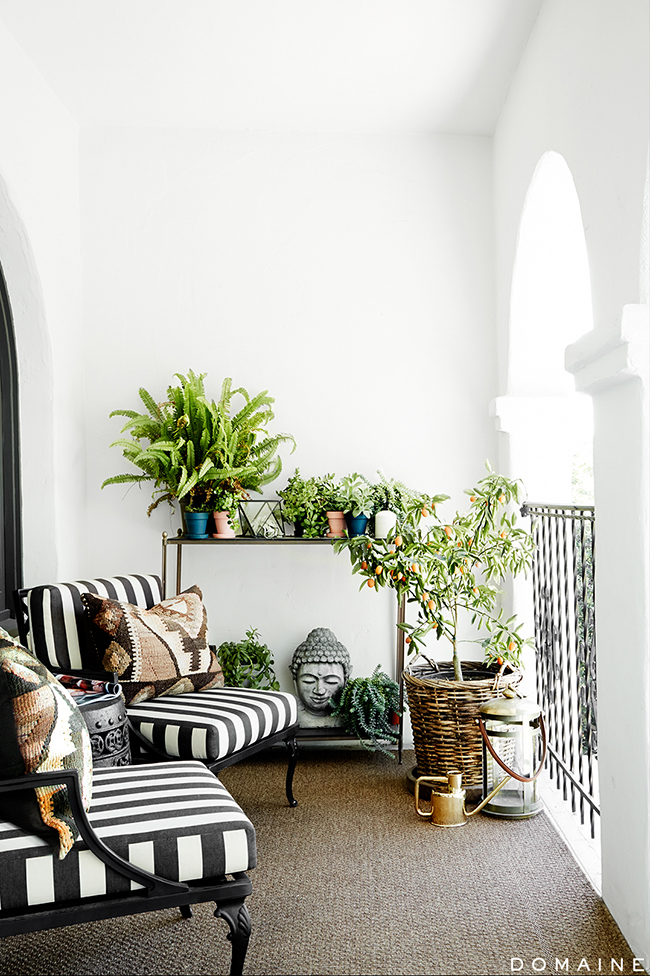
{"x": 288, "y": 736}
{"x": 157, "y": 892}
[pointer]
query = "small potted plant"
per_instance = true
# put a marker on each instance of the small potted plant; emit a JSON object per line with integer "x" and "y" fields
{"x": 304, "y": 504}
{"x": 391, "y": 500}
{"x": 225, "y": 508}
{"x": 333, "y": 502}
{"x": 248, "y": 663}
{"x": 368, "y": 707}
{"x": 357, "y": 498}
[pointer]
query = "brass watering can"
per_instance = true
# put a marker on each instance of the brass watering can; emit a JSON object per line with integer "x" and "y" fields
{"x": 448, "y": 805}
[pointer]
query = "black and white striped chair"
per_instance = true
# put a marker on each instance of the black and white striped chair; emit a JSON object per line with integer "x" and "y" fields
{"x": 158, "y": 836}
{"x": 219, "y": 727}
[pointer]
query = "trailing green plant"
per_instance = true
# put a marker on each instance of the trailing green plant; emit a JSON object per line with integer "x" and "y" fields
{"x": 248, "y": 663}
{"x": 356, "y": 494}
{"x": 454, "y": 568}
{"x": 196, "y": 445}
{"x": 304, "y": 503}
{"x": 367, "y": 706}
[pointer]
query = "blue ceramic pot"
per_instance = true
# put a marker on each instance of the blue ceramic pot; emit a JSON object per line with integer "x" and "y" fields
{"x": 356, "y": 523}
{"x": 196, "y": 523}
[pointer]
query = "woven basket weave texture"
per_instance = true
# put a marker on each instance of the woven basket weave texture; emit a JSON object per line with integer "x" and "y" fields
{"x": 443, "y": 718}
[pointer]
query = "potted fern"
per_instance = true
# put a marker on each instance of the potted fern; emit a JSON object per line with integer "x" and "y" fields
{"x": 368, "y": 707}
{"x": 391, "y": 499}
{"x": 199, "y": 452}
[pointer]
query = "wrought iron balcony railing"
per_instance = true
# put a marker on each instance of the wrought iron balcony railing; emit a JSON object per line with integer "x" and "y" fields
{"x": 565, "y": 640}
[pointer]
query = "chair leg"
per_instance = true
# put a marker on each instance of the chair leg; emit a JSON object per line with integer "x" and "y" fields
{"x": 186, "y": 911}
{"x": 239, "y": 921}
{"x": 292, "y": 746}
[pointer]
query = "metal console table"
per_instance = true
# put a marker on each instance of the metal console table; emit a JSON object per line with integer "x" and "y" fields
{"x": 180, "y": 540}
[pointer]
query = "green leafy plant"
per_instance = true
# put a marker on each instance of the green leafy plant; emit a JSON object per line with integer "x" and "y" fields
{"x": 394, "y": 496}
{"x": 452, "y": 568}
{"x": 305, "y": 503}
{"x": 332, "y": 494}
{"x": 248, "y": 663}
{"x": 356, "y": 494}
{"x": 367, "y": 706}
{"x": 196, "y": 445}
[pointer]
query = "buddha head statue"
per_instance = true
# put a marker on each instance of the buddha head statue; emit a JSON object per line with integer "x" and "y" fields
{"x": 320, "y": 666}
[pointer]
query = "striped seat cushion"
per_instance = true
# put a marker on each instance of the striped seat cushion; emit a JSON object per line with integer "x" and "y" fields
{"x": 58, "y": 628}
{"x": 213, "y": 724}
{"x": 173, "y": 819}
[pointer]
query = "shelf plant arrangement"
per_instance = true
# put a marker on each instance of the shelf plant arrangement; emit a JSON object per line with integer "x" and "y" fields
{"x": 367, "y": 706}
{"x": 207, "y": 455}
{"x": 248, "y": 663}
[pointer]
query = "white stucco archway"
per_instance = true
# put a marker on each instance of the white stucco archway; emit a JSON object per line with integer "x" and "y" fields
{"x": 548, "y": 426}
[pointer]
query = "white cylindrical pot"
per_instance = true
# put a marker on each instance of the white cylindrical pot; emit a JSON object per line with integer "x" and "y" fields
{"x": 385, "y": 522}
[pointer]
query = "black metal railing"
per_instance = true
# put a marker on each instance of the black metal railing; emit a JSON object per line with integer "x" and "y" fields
{"x": 565, "y": 640}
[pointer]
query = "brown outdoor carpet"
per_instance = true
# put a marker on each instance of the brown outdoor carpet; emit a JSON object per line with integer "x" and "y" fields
{"x": 353, "y": 882}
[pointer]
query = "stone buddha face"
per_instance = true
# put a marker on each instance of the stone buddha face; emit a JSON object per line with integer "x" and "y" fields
{"x": 317, "y": 682}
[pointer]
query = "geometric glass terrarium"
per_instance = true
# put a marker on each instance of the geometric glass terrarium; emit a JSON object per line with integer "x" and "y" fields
{"x": 261, "y": 519}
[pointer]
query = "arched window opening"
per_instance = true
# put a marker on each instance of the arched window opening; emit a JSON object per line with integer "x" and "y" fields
{"x": 550, "y": 308}
{"x": 10, "y": 531}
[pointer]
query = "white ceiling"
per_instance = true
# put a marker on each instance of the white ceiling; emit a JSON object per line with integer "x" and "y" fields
{"x": 302, "y": 65}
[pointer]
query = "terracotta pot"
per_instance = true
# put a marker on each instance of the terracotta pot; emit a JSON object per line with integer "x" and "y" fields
{"x": 224, "y": 528}
{"x": 337, "y": 525}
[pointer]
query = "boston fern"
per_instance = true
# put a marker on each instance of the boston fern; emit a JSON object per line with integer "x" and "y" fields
{"x": 366, "y": 706}
{"x": 196, "y": 446}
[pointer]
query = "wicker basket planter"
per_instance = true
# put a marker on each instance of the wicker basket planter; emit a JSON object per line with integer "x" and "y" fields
{"x": 444, "y": 713}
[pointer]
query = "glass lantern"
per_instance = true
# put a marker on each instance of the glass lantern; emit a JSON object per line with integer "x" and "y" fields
{"x": 514, "y": 741}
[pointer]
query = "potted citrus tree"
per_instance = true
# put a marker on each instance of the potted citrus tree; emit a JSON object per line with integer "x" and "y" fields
{"x": 451, "y": 571}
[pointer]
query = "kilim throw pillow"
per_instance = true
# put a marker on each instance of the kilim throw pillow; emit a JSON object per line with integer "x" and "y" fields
{"x": 41, "y": 729}
{"x": 161, "y": 651}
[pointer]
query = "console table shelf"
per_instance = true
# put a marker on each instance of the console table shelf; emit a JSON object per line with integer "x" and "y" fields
{"x": 179, "y": 541}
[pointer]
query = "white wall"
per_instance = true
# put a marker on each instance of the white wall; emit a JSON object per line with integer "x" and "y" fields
{"x": 582, "y": 90}
{"x": 40, "y": 256}
{"x": 352, "y": 276}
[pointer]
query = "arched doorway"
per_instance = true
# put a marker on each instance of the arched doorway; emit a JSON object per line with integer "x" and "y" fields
{"x": 550, "y": 307}
{"x": 10, "y": 531}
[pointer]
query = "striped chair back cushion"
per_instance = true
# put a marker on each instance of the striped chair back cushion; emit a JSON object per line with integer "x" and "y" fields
{"x": 58, "y": 634}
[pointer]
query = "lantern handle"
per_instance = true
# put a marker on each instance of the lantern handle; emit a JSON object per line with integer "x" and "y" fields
{"x": 511, "y": 772}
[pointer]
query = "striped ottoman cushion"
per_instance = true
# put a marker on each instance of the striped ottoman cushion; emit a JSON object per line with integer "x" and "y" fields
{"x": 173, "y": 819}
{"x": 211, "y": 725}
{"x": 57, "y": 621}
